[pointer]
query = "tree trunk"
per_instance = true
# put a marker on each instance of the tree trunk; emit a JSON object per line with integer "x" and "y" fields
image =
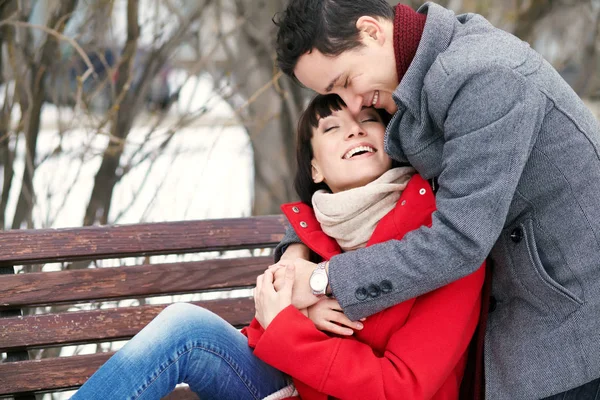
{"x": 528, "y": 17}
{"x": 6, "y": 155}
{"x": 587, "y": 83}
{"x": 272, "y": 106}
{"x": 106, "y": 178}
{"x": 274, "y": 161}
{"x": 37, "y": 74}
{"x": 127, "y": 105}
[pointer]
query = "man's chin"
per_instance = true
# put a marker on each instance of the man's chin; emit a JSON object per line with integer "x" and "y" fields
{"x": 391, "y": 108}
{"x": 386, "y": 102}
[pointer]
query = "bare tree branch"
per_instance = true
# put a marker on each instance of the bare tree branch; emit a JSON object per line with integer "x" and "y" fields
{"x": 53, "y": 32}
{"x": 125, "y": 110}
{"x": 99, "y": 205}
{"x": 38, "y": 73}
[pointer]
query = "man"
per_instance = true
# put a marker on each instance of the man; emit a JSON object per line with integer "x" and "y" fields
{"x": 516, "y": 154}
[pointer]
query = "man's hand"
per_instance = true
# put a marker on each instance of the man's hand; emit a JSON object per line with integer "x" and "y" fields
{"x": 327, "y": 316}
{"x": 267, "y": 301}
{"x": 302, "y": 296}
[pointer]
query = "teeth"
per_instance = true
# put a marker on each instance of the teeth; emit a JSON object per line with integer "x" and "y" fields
{"x": 357, "y": 150}
{"x": 375, "y": 97}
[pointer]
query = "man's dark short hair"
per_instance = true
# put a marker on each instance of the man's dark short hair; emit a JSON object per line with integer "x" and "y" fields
{"x": 326, "y": 25}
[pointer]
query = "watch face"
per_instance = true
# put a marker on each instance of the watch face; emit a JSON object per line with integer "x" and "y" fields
{"x": 318, "y": 282}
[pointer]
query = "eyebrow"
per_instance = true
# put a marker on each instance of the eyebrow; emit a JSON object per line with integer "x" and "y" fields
{"x": 333, "y": 81}
{"x": 320, "y": 121}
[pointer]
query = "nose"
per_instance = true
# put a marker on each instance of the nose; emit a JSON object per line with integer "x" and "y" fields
{"x": 354, "y": 102}
{"x": 355, "y": 129}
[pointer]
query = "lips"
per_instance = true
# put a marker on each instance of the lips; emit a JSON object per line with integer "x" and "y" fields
{"x": 375, "y": 98}
{"x": 360, "y": 149}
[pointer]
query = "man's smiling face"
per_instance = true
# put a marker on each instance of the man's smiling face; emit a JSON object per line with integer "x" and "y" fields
{"x": 364, "y": 76}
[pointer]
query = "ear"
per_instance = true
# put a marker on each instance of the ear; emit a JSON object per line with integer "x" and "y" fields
{"x": 317, "y": 176}
{"x": 372, "y": 28}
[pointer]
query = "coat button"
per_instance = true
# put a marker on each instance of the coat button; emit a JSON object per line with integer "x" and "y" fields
{"x": 516, "y": 235}
{"x": 295, "y": 209}
{"x": 493, "y": 304}
{"x": 374, "y": 290}
{"x": 361, "y": 293}
{"x": 303, "y": 224}
{"x": 386, "y": 286}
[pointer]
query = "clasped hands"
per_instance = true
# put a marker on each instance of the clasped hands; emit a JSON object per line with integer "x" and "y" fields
{"x": 286, "y": 283}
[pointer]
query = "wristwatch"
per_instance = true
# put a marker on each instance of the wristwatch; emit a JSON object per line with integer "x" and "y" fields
{"x": 319, "y": 280}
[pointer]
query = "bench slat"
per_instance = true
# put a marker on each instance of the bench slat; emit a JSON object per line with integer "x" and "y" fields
{"x": 181, "y": 393}
{"x": 103, "y": 325}
{"x": 44, "y": 288}
{"x": 33, "y": 246}
{"x": 35, "y": 377}
{"x": 22, "y": 247}
{"x": 49, "y": 374}
{"x": 58, "y": 374}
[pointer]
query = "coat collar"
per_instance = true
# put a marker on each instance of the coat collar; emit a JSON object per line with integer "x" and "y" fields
{"x": 412, "y": 210}
{"x": 408, "y": 28}
{"x": 302, "y": 218}
{"x": 437, "y": 35}
{"x": 439, "y": 29}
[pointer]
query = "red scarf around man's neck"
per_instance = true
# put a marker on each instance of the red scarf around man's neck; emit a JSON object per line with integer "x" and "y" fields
{"x": 408, "y": 28}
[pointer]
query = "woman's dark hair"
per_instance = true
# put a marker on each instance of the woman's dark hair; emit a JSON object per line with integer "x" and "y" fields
{"x": 326, "y": 25}
{"x": 321, "y": 106}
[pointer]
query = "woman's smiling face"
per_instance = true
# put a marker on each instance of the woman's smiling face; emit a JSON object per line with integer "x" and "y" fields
{"x": 348, "y": 150}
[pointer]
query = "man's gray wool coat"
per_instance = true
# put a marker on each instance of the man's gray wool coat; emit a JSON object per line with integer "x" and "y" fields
{"x": 517, "y": 156}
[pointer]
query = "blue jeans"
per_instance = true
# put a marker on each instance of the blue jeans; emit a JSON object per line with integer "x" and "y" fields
{"x": 589, "y": 391}
{"x": 184, "y": 343}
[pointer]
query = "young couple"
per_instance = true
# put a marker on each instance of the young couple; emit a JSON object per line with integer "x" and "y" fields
{"x": 516, "y": 155}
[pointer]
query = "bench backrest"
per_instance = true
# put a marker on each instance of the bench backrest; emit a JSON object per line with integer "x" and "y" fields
{"x": 22, "y": 331}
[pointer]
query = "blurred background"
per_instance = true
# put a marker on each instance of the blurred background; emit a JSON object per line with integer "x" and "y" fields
{"x": 125, "y": 111}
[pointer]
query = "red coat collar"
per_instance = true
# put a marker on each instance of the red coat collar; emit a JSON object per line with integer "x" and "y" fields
{"x": 414, "y": 206}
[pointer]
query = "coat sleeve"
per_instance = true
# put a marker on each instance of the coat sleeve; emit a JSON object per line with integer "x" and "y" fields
{"x": 253, "y": 332}
{"x": 290, "y": 237}
{"x": 418, "y": 359}
{"x": 490, "y": 120}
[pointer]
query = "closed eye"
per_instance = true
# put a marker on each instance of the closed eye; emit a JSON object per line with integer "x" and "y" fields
{"x": 328, "y": 129}
{"x": 370, "y": 120}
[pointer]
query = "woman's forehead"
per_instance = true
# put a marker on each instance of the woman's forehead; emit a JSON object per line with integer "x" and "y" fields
{"x": 344, "y": 112}
{"x": 333, "y": 114}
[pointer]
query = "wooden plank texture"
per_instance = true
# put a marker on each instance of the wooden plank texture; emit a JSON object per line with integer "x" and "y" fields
{"x": 103, "y": 325}
{"x": 96, "y": 242}
{"x": 70, "y": 287}
{"x": 181, "y": 394}
{"x": 44, "y": 288}
{"x": 49, "y": 374}
{"x": 59, "y": 374}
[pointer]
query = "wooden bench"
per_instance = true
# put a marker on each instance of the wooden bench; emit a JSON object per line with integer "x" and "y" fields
{"x": 25, "y": 329}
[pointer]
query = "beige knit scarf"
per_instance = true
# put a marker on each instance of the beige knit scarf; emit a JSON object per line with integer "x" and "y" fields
{"x": 350, "y": 216}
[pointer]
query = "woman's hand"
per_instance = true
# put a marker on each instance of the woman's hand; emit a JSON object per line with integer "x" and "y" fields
{"x": 268, "y": 302}
{"x": 291, "y": 254}
{"x": 327, "y": 316}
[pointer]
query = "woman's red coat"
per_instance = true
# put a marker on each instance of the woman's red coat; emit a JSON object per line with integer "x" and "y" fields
{"x": 414, "y": 350}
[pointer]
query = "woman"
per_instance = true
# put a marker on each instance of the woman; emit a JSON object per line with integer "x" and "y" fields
{"x": 414, "y": 350}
